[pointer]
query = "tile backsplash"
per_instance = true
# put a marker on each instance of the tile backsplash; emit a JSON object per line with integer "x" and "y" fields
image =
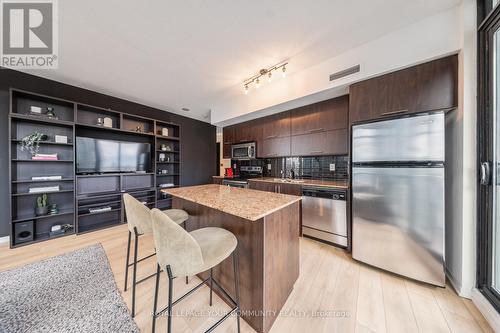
{"x": 311, "y": 167}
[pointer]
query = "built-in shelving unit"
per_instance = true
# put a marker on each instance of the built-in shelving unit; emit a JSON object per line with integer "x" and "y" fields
{"x": 77, "y": 194}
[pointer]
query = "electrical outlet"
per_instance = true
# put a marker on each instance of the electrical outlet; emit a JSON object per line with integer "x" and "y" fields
{"x": 269, "y": 167}
{"x": 332, "y": 166}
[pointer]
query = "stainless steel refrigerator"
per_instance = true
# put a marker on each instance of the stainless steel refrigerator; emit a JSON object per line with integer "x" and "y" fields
{"x": 398, "y": 196}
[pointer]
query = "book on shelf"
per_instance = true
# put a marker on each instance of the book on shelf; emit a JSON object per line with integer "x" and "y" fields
{"x": 100, "y": 209}
{"x": 45, "y": 157}
{"x": 46, "y": 178}
{"x": 166, "y": 185}
{"x": 44, "y": 189}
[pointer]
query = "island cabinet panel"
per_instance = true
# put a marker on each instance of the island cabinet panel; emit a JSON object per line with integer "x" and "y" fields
{"x": 268, "y": 252}
{"x": 426, "y": 87}
{"x": 323, "y": 116}
{"x": 275, "y": 147}
{"x": 322, "y": 143}
{"x": 276, "y": 126}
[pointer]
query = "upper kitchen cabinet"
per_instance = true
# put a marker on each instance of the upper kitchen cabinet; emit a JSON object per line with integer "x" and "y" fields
{"x": 426, "y": 87}
{"x": 274, "y": 147}
{"x": 324, "y": 116}
{"x": 247, "y": 132}
{"x": 227, "y": 141}
{"x": 276, "y": 126}
{"x": 333, "y": 142}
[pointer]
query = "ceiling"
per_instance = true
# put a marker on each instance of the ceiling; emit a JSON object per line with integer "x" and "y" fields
{"x": 184, "y": 54}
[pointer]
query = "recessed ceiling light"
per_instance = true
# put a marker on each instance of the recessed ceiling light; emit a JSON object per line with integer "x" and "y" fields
{"x": 185, "y": 109}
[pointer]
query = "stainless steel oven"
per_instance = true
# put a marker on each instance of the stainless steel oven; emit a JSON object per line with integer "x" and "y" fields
{"x": 244, "y": 151}
{"x": 324, "y": 214}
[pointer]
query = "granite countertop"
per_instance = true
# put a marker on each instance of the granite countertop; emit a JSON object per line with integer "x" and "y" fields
{"x": 344, "y": 184}
{"x": 245, "y": 203}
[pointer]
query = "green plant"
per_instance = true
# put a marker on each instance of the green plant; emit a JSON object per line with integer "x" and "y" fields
{"x": 32, "y": 142}
{"x": 41, "y": 201}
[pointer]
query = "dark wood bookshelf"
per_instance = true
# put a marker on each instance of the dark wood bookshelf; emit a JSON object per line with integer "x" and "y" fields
{"x": 79, "y": 119}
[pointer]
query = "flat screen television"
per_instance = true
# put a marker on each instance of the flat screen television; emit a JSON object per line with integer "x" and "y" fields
{"x": 100, "y": 156}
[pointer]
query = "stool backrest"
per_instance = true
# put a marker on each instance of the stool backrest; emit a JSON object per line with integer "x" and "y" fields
{"x": 175, "y": 246}
{"x": 137, "y": 215}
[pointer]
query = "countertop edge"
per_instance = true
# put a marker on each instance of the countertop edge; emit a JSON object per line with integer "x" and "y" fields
{"x": 258, "y": 217}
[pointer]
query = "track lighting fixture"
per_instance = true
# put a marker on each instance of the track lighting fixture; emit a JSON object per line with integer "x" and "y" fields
{"x": 265, "y": 71}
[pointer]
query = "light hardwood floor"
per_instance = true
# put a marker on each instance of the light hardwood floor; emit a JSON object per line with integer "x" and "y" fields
{"x": 333, "y": 293}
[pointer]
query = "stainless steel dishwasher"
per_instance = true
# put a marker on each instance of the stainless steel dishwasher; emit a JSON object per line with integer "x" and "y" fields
{"x": 324, "y": 214}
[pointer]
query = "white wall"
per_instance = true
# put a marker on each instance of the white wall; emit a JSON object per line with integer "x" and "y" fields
{"x": 430, "y": 38}
{"x": 461, "y": 167}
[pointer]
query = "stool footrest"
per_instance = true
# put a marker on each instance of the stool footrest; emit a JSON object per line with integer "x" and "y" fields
{"x": 214, "y": 326}
{"x": 145, "y": 278}
{"x": 182, "y": 297}
{"x": 138, "y": 261}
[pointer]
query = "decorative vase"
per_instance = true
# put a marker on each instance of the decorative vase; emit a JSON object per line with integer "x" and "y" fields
{"x": 50, "y": 112}
{"x": 39, "y": 211}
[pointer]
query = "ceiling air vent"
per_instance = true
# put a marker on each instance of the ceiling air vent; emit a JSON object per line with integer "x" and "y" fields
{"x": 345, "y": 72}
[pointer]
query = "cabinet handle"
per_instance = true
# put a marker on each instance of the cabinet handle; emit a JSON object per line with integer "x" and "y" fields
{"x": 316, "y": 151}
{"x": 269, "y": 155}
{"x": 316, "y": 130}
{"x": 394, "y": 112}
{"x": 271, "y": 136}
{"x": 227, "y": 143}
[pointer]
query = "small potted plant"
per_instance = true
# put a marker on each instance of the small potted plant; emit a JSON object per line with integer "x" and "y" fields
{"x": 32, "y": 142}
{"x": 42, "y": 207}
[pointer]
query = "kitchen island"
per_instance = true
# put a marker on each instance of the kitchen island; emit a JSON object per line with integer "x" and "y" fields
{"x": 267, "y": 228}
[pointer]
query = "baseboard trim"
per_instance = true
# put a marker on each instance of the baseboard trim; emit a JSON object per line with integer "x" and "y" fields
{"x": 5, "y": 239}
{"x": 488, "y": 311}
{"x": 457, "y": 286}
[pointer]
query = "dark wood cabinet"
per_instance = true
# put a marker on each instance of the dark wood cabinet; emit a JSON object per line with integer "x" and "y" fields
{"x": 291, "y": 189}
{"x": 274, "y": 147}
{"x": 276, "y": 126}
{"x": 276, "y": 187}
{"x": 323, "y": 116}
{"x": 217, "y": 180}
{"x": 244, "y": 132}
{"x": 227, "y": 141}
{"x": 262, "y": 186}
{"x": 323, "y": 143}
{"x": 425, "y": 87}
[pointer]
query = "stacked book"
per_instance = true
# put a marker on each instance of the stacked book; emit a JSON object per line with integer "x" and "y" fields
{"x": 45, "y": 178}
{"x": 165, "y": 185}
{"x": 44, "y": 189}
{"x": 45, "y": 157}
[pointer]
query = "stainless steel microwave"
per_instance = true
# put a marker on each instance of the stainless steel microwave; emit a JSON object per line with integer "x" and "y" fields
{"x": 243, "y": 151}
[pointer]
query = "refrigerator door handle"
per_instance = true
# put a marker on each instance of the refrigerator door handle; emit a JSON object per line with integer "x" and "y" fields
{"x": 485, "y": 173}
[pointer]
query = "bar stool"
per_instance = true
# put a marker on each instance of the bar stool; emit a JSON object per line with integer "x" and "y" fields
{"x": 182, "y": 253}
{"x": 139, "y": 223}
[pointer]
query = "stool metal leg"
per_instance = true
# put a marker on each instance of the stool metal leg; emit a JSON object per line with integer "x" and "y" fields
{"x": 128, "y": 259}
{"x": 155, "y": 304}
{"x": 237, "y": 286}
{"x": 170, "y": 292}
{"x": 134, "y": 275}
{"x": 211, "y": 285}
{"x": 185, "y": 228}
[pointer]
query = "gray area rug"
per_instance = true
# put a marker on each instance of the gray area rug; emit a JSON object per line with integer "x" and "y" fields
{"x": 74, "y": 292}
